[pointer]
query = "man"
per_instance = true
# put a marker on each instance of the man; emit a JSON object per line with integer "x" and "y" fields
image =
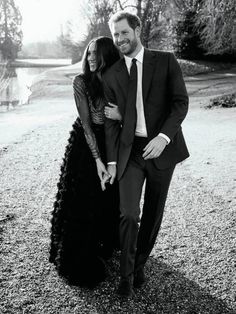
{"x": 152, "y": 99}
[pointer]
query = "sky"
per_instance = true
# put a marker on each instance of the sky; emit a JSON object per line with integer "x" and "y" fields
{"x": 43, "y": 19}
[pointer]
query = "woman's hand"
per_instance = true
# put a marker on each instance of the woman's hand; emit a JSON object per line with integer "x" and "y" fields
{"x": 105, "y": 180}
{"x": 102, "y": 172}
{"x": 112, "y": 112}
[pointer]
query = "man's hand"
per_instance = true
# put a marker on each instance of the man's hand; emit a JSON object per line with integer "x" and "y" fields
{"x": 154, "y": 148}
{"x": 112, "y": 172}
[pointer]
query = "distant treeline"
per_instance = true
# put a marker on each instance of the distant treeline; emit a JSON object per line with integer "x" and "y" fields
{"x": 44, "y": 49}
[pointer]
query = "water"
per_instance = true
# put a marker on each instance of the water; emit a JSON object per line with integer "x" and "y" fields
{"x": 15, "y": 83}
{"x": 52, "y": 62}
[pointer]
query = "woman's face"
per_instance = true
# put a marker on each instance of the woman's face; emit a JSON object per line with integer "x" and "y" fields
{"x": 92, "y": 57}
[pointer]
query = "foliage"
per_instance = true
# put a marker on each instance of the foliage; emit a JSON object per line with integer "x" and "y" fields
{"x": 10, "y": 31}
{"x": 207, "y": 27}
{"x": 225, "y": 101}
{"x": 98, "y": 13}
{"x": 155, "y": 30}
{"x": 190, "y": 68}
{"x": 216, "y": 22}
{"x": 188, "y": 43}
{"x": 153, "y": 27}
{"x": 72, "y": 47}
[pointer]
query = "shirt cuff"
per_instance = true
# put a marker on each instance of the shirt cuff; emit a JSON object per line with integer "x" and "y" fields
{"x": 111, "y": 163}
{"x": 165, "y": 137}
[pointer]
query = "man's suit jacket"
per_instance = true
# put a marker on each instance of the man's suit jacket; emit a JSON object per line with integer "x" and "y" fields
{"x": 165, "y": 103}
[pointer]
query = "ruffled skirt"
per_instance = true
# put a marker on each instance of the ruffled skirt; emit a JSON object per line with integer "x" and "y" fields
{"x": 85, "y": 219}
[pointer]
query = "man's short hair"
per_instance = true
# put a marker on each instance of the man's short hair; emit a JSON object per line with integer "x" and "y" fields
{"x": 132, "y": 19}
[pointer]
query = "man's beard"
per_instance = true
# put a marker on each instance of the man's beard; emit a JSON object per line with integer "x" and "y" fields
{"x": 132, "y": 46}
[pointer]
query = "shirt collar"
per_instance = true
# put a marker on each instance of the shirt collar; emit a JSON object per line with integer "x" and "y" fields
{"x": 139, "y": 58}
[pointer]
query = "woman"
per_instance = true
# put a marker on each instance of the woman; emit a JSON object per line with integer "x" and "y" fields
{"x": 85, "y": 218}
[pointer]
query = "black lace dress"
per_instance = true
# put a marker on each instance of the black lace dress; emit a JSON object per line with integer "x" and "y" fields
{"x": 85, "y": 219}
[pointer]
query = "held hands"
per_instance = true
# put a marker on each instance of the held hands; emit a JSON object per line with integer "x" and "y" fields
{"x": 112, "y": 112}
{"x": 154, "y": 148}
{"x": 105, "y": 180}
{"x": 110, "y": 177}
{"x": 105, "y": 175}
{"x": 102, "y": 173}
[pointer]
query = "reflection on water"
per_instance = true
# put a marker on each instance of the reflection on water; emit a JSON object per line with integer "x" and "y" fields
{"x": 51, "y": 62}
{"x": 15, "y": 86}
{"x": 15, "y": 82}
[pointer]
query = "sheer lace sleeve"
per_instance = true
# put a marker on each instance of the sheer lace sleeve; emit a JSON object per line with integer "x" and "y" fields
{"x": 82, "y": 105}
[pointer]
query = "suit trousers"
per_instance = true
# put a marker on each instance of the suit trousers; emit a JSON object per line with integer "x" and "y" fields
{"x": 137, "y": 238}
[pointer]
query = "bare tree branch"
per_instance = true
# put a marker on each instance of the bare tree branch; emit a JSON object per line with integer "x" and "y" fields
{"x": 120, "y": 4}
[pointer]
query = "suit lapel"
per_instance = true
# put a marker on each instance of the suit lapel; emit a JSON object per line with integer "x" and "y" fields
{"x": 149, "y": 63}
{"x": 122, "y": 76}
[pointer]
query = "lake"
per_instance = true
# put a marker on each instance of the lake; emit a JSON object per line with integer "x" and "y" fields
{"x": 16, "y": 81}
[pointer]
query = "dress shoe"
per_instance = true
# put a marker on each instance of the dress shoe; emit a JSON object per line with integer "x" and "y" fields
{"x": 125, "y": 288}
{"x": 139, "y": 278}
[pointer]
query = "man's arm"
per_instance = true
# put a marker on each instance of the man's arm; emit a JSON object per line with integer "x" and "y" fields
{"x": 178, "y": 110}
{"x": 178, "y": 99}
{"x": 112, "y": 127}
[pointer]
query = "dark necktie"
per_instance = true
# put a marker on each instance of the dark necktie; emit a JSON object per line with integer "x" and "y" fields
{"x": 130, "y": 117}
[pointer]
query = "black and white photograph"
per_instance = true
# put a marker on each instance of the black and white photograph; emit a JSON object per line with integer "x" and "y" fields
{"x": 117, "y": 157}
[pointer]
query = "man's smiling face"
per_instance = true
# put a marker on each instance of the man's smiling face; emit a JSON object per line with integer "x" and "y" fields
{"x": 125, "y": 37}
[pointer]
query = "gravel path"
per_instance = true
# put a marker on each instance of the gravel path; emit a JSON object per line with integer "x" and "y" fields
{"x": 191, "y": 270}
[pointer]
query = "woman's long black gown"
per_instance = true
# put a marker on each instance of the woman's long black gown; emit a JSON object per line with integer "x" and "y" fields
{"x": 85, "y": 219}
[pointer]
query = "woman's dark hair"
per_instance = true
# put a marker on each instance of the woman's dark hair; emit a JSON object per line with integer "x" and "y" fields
{"x": 106, "y": 55}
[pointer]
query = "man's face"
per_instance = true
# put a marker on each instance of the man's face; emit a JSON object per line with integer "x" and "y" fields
{"x": 125, "y": 38}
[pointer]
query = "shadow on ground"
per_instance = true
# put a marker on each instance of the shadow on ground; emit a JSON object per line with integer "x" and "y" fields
{"x": 166, "y": 291}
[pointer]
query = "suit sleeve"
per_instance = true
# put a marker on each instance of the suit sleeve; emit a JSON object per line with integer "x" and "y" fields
{"x": 178, "y": 98}
{"x": 112, "y": 127}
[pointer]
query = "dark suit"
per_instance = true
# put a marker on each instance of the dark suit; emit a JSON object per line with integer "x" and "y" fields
{"x": 165, "y": 103}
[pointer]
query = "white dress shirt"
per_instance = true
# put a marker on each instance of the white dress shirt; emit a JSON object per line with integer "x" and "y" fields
{"x": 141, "y": 129}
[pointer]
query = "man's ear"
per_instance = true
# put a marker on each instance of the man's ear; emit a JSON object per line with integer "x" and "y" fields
{"x": 138, "y": 31}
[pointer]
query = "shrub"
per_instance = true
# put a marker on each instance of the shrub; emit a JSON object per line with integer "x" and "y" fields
{"x": 188, "y": 43}
{"x": 191, "y": 68}
{"x": 225, "y": 101}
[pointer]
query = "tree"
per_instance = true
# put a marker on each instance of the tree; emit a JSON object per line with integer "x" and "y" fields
{"x": 10, "y": 31}
{"x": 216, "y": 23}
{"x": 98, "y": 12}
{"x": 72, "y": 46}
{"x": 188, "y": 43}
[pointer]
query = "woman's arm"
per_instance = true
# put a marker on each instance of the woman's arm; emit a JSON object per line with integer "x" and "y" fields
{"x": 82, "y": 105}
